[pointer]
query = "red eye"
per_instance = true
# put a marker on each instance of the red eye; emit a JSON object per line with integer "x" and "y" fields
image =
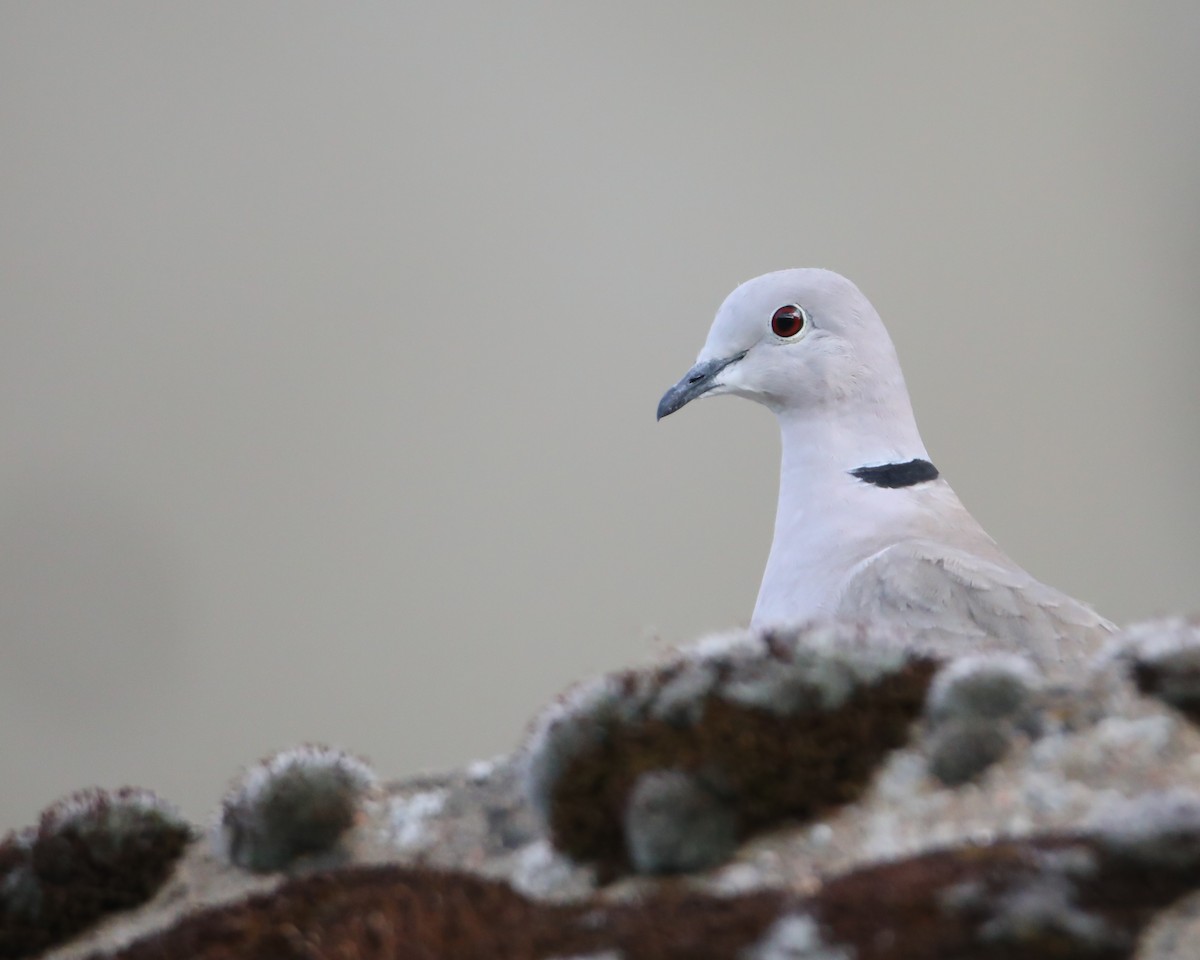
{"x": 788, "y": 321}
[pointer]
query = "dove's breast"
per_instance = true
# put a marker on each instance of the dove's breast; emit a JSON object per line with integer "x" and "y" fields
{"x": 919, "y": 560}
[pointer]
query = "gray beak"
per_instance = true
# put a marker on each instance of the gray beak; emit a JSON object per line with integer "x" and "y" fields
{"x": 695, "y": 383}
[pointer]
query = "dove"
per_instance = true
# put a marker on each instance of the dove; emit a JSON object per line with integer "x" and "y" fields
{"x": 866, "y": 527}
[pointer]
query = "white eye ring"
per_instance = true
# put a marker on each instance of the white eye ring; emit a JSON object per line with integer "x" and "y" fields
{"x": 789, "y": 321}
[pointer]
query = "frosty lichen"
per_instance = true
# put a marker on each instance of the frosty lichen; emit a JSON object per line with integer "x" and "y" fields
{"x": 996, "y": 686}
{"x": 299, "y": 802}
{"x": 961, "y": 750}
{"x": 409, "y": 817}
{"x": 975, "y": 706}
{"x": 795, "y": 936}
{"x": 1044, "y": 909}
{"x": 675, "y": 822}
{"x": 1159, "y": 830}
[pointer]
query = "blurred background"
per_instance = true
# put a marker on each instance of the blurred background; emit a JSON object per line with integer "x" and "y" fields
{"x": 331, "y": 337}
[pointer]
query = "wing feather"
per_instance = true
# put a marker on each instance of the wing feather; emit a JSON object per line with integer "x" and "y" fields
{"x": 952, "y": 598}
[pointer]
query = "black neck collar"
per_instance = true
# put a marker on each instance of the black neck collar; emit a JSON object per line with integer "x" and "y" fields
{"x": 894, "y": 475}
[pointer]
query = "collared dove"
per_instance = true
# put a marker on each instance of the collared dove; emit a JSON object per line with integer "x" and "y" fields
{"x": 866, "y": 527}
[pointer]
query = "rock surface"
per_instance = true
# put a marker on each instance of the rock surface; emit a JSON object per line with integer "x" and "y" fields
{"x": 829, "y": 793}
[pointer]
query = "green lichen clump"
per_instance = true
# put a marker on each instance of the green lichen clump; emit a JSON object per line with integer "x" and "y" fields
{"x": 297, "y": 803}
{"x": 91, "y": 854}
{"x": 976, "y": 707}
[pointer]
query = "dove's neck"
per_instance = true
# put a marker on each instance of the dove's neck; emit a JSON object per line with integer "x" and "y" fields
{"x": 828, "y": 520}
{"x": 822, "y": 447}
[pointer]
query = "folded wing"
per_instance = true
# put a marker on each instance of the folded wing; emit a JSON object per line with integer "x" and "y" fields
{"x": 952, "y": 598}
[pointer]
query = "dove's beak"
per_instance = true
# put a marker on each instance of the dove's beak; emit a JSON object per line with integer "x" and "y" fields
{"x": 695, "y": 383}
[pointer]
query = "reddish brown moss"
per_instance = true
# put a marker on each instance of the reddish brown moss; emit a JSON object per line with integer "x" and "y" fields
{"x": 394, "y": 913}
{"x": 931, "y": 907}
{"x": 92, "y": 854}
{"x": 941, "y": 904}
{"x": 768, "y": 765}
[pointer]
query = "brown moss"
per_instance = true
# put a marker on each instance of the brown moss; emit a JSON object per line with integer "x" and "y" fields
{"x": 1174, "y": 679}
{"x": 395, "y": 913}
{"x": 92, "y": 854}
{"x": 938, "y": 905}
{"x": 770, "y": 766}
{"x": 930, "y": 907}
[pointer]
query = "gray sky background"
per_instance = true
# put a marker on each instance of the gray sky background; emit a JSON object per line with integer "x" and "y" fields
{"x": 331, "y": 336}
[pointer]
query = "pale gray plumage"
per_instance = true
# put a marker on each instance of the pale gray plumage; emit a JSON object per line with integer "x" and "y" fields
{"x": 844, "y": 547}
{"x": 948, "y": 596}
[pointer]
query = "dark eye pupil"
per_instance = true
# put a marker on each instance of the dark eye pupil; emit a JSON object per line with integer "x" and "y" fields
{"x": 787, "y": 321}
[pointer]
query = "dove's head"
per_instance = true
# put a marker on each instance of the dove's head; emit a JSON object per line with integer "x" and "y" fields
{"x": 796, "y": 341}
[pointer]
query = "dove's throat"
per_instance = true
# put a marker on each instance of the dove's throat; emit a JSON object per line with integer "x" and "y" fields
{"x": 826, "y": 446}
{"x": 828, "y": 518}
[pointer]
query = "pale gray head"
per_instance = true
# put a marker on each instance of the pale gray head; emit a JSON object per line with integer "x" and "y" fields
{"x": 795, "y": 341}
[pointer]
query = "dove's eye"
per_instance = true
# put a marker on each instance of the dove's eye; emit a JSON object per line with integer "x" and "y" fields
{"x": 788, "y": 321}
